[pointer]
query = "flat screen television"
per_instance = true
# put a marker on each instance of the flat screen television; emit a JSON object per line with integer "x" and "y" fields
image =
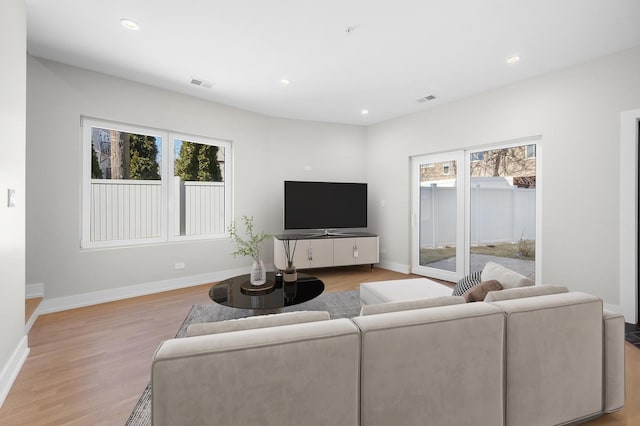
{"x": 324, "y": 205}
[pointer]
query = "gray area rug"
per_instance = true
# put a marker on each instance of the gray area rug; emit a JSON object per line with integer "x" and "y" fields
{"x": 345, "y": 304}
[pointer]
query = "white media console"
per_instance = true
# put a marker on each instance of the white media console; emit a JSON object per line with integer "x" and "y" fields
{"x": 313, "y": 251}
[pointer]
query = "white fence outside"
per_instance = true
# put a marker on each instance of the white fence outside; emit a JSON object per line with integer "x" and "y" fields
{"x": 132, "y": 209}
{"x": 125, "y": 209}
{"x": 201, "y": 207}
{"x": 497, "y": 215}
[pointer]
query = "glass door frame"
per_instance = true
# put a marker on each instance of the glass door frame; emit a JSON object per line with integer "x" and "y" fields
{"x": 463, "y": 197}
{"x": 459, "y": 157}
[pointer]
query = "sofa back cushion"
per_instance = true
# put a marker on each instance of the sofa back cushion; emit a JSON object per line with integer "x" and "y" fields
{"x": 300, "y": 374}
{"x": 520, "y": 292}
{"x": 259, "y": 321}
{"x": 406, "y": 305}
{"x": 505, "y": 276}
{"x": 554, "y": 358}
{"x": 441, "y": 365}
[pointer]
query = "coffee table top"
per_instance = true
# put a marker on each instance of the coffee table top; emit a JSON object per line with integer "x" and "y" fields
{"x": 236, "y": 292}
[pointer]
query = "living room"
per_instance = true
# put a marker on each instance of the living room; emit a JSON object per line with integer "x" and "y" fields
{"x": 576, "y": 111}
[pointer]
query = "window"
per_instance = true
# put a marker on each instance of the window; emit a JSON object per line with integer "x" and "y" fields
{"x": 477, "y": 156}
{"x": 482, "y": 210}
{"x": 530, "y": 151}
{"x": 143, "y": 185}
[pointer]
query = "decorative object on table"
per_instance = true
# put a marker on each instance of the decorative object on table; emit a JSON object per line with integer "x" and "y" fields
{"x": 289, "y": 274}
{"x": 250, "y": 247}
{"x": 257, "y": 290}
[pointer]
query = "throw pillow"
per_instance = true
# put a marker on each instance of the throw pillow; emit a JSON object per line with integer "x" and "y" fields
{"x": 505, "y": 276}
{"x": 477, "y": 293}
{"x": 466, "y": 283}
{"x": 521, "y": 292}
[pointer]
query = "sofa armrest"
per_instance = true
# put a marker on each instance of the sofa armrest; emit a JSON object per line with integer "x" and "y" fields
{"x": 613, "y": 328}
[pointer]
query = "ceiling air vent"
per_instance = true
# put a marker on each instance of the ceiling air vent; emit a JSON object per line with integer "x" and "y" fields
{"x": 425, "y": 99}
{"x": 200, "y": 82}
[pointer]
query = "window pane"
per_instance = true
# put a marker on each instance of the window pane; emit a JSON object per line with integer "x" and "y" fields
{"x": 438, "y": 207}
{"x": 198, "y": 188}
{"x": 126, "y": 191}
{"x": 503, "y": 209}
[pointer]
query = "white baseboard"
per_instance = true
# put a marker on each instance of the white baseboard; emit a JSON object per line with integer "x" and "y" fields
{"x": 396, "y": 267}
{"x": 34, "y": 290}
{"x": 32, "y": 320}
{"x": 12, "y": 368}
{"x": 93, "y": 298}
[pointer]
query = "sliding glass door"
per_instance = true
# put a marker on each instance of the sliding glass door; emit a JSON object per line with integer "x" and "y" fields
{"x": 476, "y": 206}
{"x": 438, "y": 219}
{"x": 502, "y": 207}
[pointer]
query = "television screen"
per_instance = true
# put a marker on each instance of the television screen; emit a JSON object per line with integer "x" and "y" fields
{"x": 324, "y": 205}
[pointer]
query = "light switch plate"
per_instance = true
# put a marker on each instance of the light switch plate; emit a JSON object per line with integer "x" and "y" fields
{"x": 11, "y": 198}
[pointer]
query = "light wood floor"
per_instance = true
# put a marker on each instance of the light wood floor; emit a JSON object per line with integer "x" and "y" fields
{"x": 88, "y": 366}
{"x": 30, "y": 306}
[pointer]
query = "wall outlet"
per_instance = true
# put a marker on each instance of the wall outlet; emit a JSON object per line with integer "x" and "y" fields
{"x": 179, "y": 265}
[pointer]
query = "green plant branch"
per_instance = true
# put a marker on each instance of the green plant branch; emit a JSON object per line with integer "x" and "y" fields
{"x": 252, "y": 245}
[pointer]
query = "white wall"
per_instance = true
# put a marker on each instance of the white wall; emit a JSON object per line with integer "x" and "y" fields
{"x": 13, "y": 38}
{"x": 577, "y": 112}
{"x": 266, "y": 151}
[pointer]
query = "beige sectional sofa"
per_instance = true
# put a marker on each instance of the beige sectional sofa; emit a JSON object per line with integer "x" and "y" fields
{"x": 529, "y": 358}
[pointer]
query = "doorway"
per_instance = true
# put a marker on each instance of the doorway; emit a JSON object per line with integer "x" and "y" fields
{"x": 470, "y": 207}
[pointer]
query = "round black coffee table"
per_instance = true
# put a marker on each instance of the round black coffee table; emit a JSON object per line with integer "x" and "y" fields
{"x": 236, "y": 292}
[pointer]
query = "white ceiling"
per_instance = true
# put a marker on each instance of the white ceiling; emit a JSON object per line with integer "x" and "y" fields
{"x": 398, "y": 52}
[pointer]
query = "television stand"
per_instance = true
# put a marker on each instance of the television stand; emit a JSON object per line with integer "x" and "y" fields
{"x": 327, "y": 249}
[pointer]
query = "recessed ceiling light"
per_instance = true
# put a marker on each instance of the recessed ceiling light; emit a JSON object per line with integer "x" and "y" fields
{"x": 513, "y": 59}
{"x": 129, "y": 24}
{"x": 364, "y": 112}
{"x": 285, "y": 82}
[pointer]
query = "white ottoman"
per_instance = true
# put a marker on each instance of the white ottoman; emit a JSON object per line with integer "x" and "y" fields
{"x": 399, "y": 290}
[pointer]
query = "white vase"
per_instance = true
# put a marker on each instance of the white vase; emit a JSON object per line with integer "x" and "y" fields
{"x": 258, "y": 273}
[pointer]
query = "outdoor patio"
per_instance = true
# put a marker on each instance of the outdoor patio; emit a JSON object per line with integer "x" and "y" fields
{"x": 477, "y": 261}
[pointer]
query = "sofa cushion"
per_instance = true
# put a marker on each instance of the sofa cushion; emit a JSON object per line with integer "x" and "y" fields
{"x": 554, "y": 358}
{"x": 519, "y": 293}
{"x": 478, "y": 292}
{"x": 260, "y": 321}
{"x": 466, "y": 283}
{"x": 406, "y": 305}
{"x": 438, "y": 366}
{"x": 505, "y": 276}
{"x": 298, "y": 374}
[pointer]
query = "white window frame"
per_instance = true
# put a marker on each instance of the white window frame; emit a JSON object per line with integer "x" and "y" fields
{"x": 526, "y": 151}
{"x": 463, "y": 197}
{"x": 226, "y": 178}
{"x": 166, "y": 174}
